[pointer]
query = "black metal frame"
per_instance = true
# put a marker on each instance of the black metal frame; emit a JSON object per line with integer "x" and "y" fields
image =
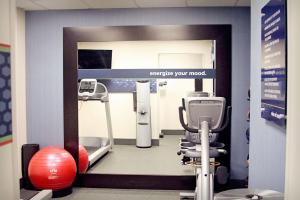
{"x": 72, "y": 35}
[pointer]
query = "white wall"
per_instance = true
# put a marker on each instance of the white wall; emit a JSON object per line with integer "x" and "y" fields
{"x": 292, "y": 174}
{"x": 92, "y": 121}
{"x": 8, "y": 181}
{"x": 4, "y": 21}
{"x": 6, "y": 173}
{"x": 144, "y": 54}
{"x": 171, "y": 94}
{"x": 20, "y": 84}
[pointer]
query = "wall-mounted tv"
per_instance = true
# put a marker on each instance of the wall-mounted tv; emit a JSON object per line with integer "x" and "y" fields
{"x": 94, "y": 59}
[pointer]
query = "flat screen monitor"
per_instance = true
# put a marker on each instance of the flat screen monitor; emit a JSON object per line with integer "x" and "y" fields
{"x": 94, "y": 59}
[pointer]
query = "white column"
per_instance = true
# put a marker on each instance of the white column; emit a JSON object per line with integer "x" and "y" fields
{"x": 292, "y": 174}
{"x": 8, "y": 162}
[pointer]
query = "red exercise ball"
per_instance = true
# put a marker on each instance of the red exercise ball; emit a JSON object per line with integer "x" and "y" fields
{"x": 52, "y": 168}
{"x": 83, "y": 159}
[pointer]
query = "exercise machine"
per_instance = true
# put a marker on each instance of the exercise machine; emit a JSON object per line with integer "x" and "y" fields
{"x": 143, "y": 114}
{"x": 92, "y": 90}
{"x": 204, "y": 115}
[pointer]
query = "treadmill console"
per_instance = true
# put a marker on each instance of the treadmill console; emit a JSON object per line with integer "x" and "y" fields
{"x": 87, "y": 87}
{"x": 90, "y": 89}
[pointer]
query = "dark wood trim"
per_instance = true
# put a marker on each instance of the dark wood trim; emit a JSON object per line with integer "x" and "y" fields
{"x": 122, "y": 181}
{"x": 140, "y": 33}
{"x": 172, "y": 132}
{"x": 223, "y": 85}
{"x": 21, "y": 183}
{"x": 124, "y": 141}
{"x": 70, "y": 94}
{"x": 199, "y": 85}
{"x": 72, "y": 35}
{"x": 62, "y": 193}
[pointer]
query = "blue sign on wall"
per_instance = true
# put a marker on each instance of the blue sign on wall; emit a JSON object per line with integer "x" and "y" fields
{"x": 273, "y": 71}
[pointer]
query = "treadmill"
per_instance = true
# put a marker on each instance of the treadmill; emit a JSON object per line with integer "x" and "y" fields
{"x": 97, "y": 147}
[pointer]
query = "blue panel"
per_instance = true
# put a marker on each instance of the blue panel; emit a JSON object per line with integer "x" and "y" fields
{"x": 125, "y": 85}
{"x": 147, "y": 73}
{"x": 273, "y": 74}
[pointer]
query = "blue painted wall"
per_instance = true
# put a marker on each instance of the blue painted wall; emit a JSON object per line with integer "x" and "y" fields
{"x": 267, "y": 141}
{"x": 44, "y": 47}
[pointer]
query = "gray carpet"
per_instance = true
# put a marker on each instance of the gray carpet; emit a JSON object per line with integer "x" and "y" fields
{"x": 117, "y": 194}
{"x": 157, "y": 160}
{"x": 27, "y": 194}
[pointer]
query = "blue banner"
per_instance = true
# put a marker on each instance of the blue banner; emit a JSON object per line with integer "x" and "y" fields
{"x": 273, "y": 71}
{"x": 147, "y": 73}
{"x": 125, "y": 85}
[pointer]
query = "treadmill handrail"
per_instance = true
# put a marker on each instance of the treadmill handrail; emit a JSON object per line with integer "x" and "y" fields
{"x": 193, "y": 130}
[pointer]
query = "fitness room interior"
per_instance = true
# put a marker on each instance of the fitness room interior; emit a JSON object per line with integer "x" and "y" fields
{"x": 149, "y": 99}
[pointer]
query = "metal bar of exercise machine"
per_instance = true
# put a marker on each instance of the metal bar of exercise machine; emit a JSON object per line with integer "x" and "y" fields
{"x": 91, "y": 90}
{"x": 205, "y": 116}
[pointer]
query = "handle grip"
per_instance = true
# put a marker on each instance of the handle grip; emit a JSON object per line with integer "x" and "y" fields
{"x": 192, "y": 130}
{"x": 227, "y": 120}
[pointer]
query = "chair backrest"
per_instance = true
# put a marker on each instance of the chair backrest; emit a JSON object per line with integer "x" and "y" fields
{"x": 210, "y": 109}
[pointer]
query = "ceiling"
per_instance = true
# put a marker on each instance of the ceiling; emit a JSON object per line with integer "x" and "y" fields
{"x": 104, "y": 4}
